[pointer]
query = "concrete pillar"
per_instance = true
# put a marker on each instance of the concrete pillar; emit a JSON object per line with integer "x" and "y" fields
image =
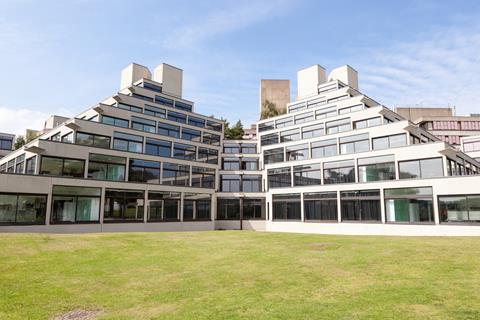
{"x": 339, "y": 208}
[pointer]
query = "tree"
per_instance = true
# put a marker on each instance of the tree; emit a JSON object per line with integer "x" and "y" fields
{"x": 19, "y": 142}
{"x": 234, "y": 133}
{"x": 269, "y": 109}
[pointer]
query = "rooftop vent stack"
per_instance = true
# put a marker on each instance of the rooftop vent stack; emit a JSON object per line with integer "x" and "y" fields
{"x": 345, "y": 74}
{"x": 171, "y": 79}
{"x": 308, "y": 80}
{"x": 132, "y": 73}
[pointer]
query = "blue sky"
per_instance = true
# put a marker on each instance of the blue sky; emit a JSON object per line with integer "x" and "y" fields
{"x": 61, "y": 57}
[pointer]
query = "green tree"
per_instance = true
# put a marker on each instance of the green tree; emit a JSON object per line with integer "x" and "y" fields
{"x": 19, "y": 142}
{"x": 269, "y": 109}
{"x": 235, "y": 132}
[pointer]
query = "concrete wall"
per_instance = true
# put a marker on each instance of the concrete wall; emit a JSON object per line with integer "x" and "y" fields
{"x": 276, "y": 91}
{"x": 415, "y": 113}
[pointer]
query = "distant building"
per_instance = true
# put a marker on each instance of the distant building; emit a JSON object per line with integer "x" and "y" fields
{"x": 442, "y": 122}
{"x": 7, "y": 142}
{"x": 251, "y": 133}
{"x": 471, "y": 146}
{"x": 51, "y": 123}
{"x": 275, "y": 91}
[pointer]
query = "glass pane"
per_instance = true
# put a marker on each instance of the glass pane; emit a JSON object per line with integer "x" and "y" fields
{"x": 8, "y": 208}
{"x": 31, "y": 209}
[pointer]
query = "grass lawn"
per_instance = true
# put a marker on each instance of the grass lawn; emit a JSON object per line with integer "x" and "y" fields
{"x": 239, "y": 275}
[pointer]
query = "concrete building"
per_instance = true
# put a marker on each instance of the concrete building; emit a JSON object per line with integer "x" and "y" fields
{"x": 142, "y": 160}
{"x": 442, "y": 122}
{"x": 471, "y": 146}
{"x": 7, "y": 143}
{"x": 250, "y": 133}
{"x": 275, "y": 91}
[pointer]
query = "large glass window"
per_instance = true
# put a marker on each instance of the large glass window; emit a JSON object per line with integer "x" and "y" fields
{"x": 326, "y": 113}
{"x": 361, "y": 205}
{"x": 51, "y": 166}
{"x": 164, "y": 101}
{"x": 208, "y": 155}
{"x": 115, "y": 121}
{"x": 92, "y": 140}
{"x": 249, "y": 148}
{"x": 269, "y": 139}
{"x": 203, "y": 177}
{"x": 168, "y": 130}
{"x": 397, "y": 140}
{"x": 31, "y": 164}
{"x": 251, "y": 183}
{"x": 144, "y": 124}
{"x": 409, "y": 205}
{"x": 253, "y": 209}
{"x": 210, "y": 138}
{"x": 286, "y": 206}
{"x": 320, "y": 206}
{"x": 249, "y": 164}
{"x": 177, "y": 117}
{"x": 325, "y": 148}
{"x": 230, "y": 183}
{"x": 197, "y": 122}
{"x": 285, "y": 122}
{"x": 273, "y": 156}
{"x": 155, "y": 111}
{"x": 266, "y": 126}
{"x": 299, "y": 152}
{"x": 290, "y": 135}
{"x": 196, "y": 207}
{"x": 376, "y": 168}
{"x": 307, "y": 175}
{"x": 184, "y": 152}
{"x": 163, "y": 206}
{"x": 22, "y": 208}
{"x": 105, "y": 167}
{"x": 338, "y": 126}
{"x": 316, "y": 130}
{"x": 459, "y": 208}
{"x": 75, "y": 204}
{"x": 127, "y": 142}
{"x": 354, "y": 144}
{"x": 6, "y": 143}
{"x": 191, "y": 134}
{"x": 213, "y": 125}
{"x": 144, "y": 171}
{"x": 123, "y": 205}
{"x": 339, "y": 172}
{"x": 279, "y": 177}
{"x": 159, "y": 148}
{"x": 183, "y": 106}
{"x": 231, "y": 148}
{"x": 367, "y": 123}
{"x": 228, "y": 209}
{"x": 304, "y": 117}
{"x": 231, "y": 164}
{"x": 175, "y": 174}
{"x": 424, "y": 168}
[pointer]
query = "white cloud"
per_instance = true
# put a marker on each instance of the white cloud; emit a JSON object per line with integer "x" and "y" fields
{"x": 17, "y": 120}
{"x": 441, "y": 68}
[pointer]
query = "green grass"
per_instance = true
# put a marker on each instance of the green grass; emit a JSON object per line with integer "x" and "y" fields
{"x": 239, "y": 275}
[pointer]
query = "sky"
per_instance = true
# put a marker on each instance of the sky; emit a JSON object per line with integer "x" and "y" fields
{"x": 62, "y": 57}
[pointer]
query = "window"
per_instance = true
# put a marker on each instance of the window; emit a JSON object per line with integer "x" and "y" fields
{"x": 163, "y": 206}
{"x": 168, "y": 130}
{"x": 208, "y": 155}
{"x": 213, "y": 125}
{"x": 183, "y": 106}
{"x": 231, "y": 148}
{"x": 203, "y": 177}
{"x": 152, "y": 87}
{"x": 316, "y": 130}
{"x": 361, "y": 205}
{"x": 22, "y": 208}
{"x": 320, "y": 206}
{"x": 115, "y": 121}
{"x": 68, "y": 138}
{"x": 326, "y": 113}
{"x": 266, "y": 126}
{"x": 425, "y": 168}
{"x": 339, "y": 172}
{"x": 299, "y": 152}
{"x": 305, "y": 117}
{"x": 159, "y": 148}
{"x": 123, "y": 205}
{"x": 129, "y": 107}
{"x": 197, "y": 122}
{"x": 471, "y": 146}
{"x": 249, "y": 148}
{"x": 251, "y": 183}
{"x": 459, "y": 208}
{"x": 409, "y": 205}
{"x": 273, "y": 156}
{"x": 269, "y": 139}
{"x": 367, "y": 123}
{"x": 144, "y": 124}
{"x": 75, "y": 204}
{"x": 155, "y": 111}
{"x": 51, "y": 166}
{"x": 286, "y": 206}
{"x": 297, "y": 107}
{"x": 175, "y": 174}
{"x": 31, "y": 165}
{"x": 6, "y": 143}
{"x": 127, "y": 142}
{"x": 290, "y": 135}
{"x": 196, "y": 207}
{"x": 92, "y": 140}
{"x": 354, "y": 144}
{"x": 231, "y": 164}
{"x": 144, "y": 171}
{"x": 192, "y": 135}
{"x": 230, "y": 183}
{"x": 3, "y": 167}
{"x": 285, "y": 122}
{"x": 279, "y": 178}
{"x": 376, "y": 168}
{"x": 11, "y": 166}
{"x": 316, "y": 102}
{"x": 357, "y": 107}
{"x": 177, "y": 117}
{"x": 228, "y": 209}
{"x": 184, "y": 152}
{"x": 106, "y": 167}
{"x": 164, "y": 101}
{"x": 253, "y": 209}
{"x": 20, "y": 164}
{"x": 307, "y": 175}
{"x": 325, "y": 148}
{"x": 249, "y": 164}
{"x": 397, "y": 140}
{"x": 139, "y": 96}
{"x": 337, "y": 126}
{"x": 210, "y": 138}
{"x": 55, "y": 137}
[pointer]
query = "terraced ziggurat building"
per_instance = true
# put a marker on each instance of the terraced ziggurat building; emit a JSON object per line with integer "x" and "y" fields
{"x": 336, "y": 162}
